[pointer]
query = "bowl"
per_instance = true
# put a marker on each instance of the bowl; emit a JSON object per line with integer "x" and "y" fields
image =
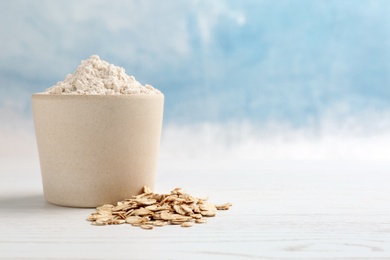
{"x": 97, "y": 149}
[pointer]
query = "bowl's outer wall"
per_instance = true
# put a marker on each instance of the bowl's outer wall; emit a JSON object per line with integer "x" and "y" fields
{"x": 97, "y": 149}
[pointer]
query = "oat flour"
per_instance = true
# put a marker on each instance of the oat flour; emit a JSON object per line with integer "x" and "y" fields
{"x": 97, "y": 77}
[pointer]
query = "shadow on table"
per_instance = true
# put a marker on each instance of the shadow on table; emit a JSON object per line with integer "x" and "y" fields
{"x": 27, "y": 202}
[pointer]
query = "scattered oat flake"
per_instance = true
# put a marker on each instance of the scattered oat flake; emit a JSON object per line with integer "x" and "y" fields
{"x": 196, "y": 216}
{"x": 166, "y": 215}
{"x": 201, "y": 221}
{"x": 187, "y": 224}
{"x": 148, "y": 210}
{"x": 141, "y": 212}
{"x": 179, "y": 209}
{"x": 159, "y": 223}
{"x": 225, "y": 206}
{"x": 134, "y": 220}
{"x": 147, "y": 190}
{"x": 147, "y": 226}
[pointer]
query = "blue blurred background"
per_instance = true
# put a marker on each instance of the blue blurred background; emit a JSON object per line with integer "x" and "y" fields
{"x": 227, "y": 68}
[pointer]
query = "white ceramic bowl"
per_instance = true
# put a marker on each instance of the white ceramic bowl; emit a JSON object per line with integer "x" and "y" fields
{"x": 97, "y": 149}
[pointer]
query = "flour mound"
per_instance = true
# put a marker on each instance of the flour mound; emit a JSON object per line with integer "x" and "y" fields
{"x": 97, "y": 77}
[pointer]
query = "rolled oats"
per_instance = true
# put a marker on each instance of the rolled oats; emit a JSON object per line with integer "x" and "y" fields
{"x": 147, "y": 210}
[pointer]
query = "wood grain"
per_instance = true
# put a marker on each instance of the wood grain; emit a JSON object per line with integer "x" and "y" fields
{"x": 281, "y": 210}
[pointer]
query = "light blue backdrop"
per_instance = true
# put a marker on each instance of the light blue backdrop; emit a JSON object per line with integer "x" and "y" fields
{"x": 289, "y": 61}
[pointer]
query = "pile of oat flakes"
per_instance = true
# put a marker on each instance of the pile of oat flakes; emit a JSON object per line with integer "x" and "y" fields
{"x": 148, "y": 210}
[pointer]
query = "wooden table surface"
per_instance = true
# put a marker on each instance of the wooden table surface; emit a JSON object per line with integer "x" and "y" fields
{"x": 281, "y": 210}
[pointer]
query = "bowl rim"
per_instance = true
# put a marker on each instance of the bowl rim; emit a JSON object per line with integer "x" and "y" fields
{"x": 96, "y": 96}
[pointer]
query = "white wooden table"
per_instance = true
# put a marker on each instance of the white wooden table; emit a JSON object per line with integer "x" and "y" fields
{"x": 281, "y": 210}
